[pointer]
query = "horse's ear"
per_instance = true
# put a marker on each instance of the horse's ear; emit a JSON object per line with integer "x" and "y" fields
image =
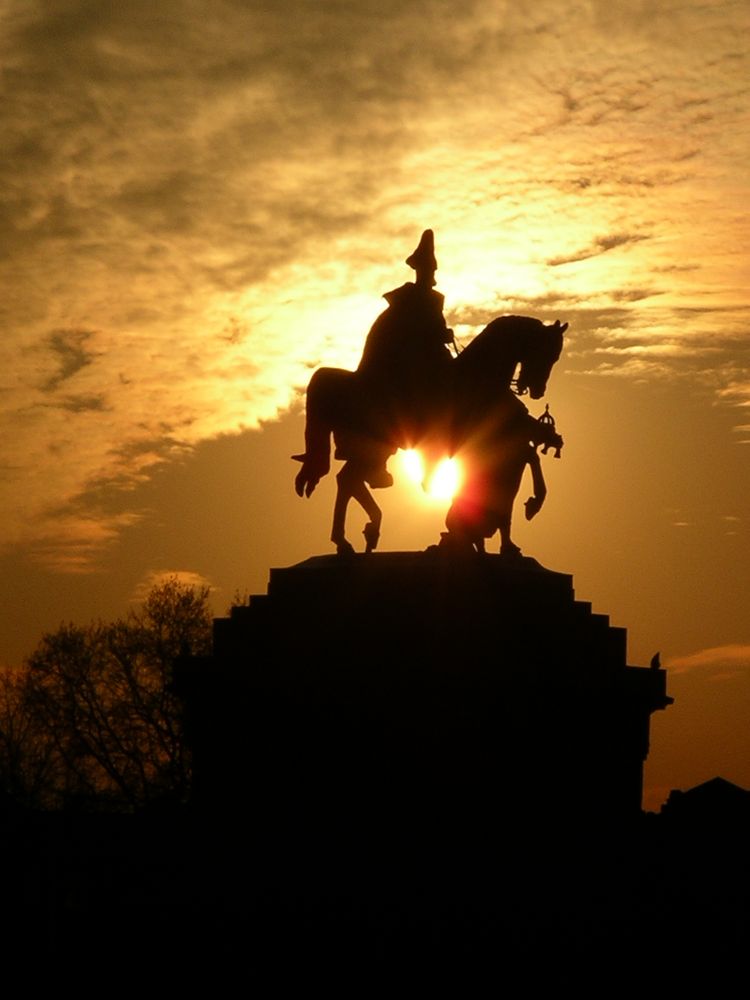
{"x": 562, "y": 327}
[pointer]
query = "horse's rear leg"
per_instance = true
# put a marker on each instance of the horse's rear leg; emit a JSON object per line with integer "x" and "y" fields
{"x": 343, "y": 496}
{"x": 351, "y": 485}
{"x": 372, "y": 529}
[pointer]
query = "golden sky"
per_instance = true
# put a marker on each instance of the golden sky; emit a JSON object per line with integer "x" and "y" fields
{"x": 201, "y": 202}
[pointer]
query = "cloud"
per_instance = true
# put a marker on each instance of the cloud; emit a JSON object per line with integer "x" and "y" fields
{"x": 724, "y": 660}
{"x": 68, "y": 349}
{"x": 76, "y": 404}
{"x": 154, "y": 578}
{"x": 602, "y": 244}
{"x": 198, "y": 203}
{"x": 736, "y": 392}
{"x": 71, "y": 542}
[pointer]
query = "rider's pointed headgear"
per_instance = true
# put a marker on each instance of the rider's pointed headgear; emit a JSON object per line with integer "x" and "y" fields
{"x": 423, "y": 257}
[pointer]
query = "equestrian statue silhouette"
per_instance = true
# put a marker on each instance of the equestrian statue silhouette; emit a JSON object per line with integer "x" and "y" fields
{"x": 410, "y": 391}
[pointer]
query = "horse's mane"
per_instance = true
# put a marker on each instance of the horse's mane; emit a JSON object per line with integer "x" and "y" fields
{"x": 495, "y": 336}
{"x": 503, "y": 326}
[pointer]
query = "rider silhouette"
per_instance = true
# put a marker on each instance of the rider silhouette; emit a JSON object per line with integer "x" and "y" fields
{"x": 406, "y": 364}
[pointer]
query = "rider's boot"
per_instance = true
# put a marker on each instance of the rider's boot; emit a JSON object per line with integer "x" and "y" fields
{"x": 532, "y": 507}
{"x": 379, "y": 478}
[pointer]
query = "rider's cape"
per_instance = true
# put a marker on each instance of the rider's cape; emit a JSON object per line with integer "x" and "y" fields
{"x": 405, "y": 364}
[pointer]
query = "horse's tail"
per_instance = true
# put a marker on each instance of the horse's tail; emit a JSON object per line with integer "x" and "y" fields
{"x": 325, "y": 400}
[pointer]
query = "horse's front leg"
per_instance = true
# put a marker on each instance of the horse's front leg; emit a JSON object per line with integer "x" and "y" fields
{"x": 507, "y": 546}
{"x": 534, "y": 504}
{"x": 505, "y": 506}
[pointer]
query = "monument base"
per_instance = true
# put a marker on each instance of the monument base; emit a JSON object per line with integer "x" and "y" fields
{"x": 403, "y": 691}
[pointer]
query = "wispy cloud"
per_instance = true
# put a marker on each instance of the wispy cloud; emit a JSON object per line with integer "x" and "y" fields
{"x": 721, "y": 660}
{"x": 199, "y": 203}
{"x": 187, "y": 577}
{"x": 601, "y": 244}
{"x": 69, "y": 351}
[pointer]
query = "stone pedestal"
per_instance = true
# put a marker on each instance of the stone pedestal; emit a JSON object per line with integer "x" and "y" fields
{"x": 406, "y": 691}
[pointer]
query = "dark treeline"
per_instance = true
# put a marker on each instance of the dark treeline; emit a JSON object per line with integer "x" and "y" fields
{"x": 91, "y": 721}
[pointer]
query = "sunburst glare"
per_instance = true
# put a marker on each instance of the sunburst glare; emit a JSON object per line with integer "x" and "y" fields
{"x": 445, "y": 480}
{"x": 441, "y": 483}
{"x": 412, "y": 464}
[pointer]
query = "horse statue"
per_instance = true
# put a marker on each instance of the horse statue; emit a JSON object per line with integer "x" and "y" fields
{"x": 480, "y": 417}
{"x": 495, "y": 457}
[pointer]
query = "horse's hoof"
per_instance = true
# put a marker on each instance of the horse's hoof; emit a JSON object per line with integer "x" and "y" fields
{"x": 532, "y": 507}
{"x": 510, "y": 551}
{"x": 304, "y": 483}
{"x": 345, "y": 548}
{"x": 372, "y": 536}
{"x": 309, "y": 475}
{"x": 454, "y": 543}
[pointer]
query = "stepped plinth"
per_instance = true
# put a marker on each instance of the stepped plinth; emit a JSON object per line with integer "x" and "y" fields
{"x": 408, "y": 686}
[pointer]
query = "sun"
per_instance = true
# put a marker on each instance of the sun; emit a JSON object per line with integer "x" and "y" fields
{"x": 441, "y": 483}
{"x": 445, "y": 480}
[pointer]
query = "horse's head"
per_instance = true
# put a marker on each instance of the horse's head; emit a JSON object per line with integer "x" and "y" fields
{"x": 543, "y": 348}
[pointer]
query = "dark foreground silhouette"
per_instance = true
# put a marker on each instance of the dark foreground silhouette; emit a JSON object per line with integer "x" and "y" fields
{"x": 422, "y": 765}
{"x": 444, "y": 781}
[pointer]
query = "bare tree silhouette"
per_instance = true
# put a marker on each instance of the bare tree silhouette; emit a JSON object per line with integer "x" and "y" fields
{"x": 91, "y": 719}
